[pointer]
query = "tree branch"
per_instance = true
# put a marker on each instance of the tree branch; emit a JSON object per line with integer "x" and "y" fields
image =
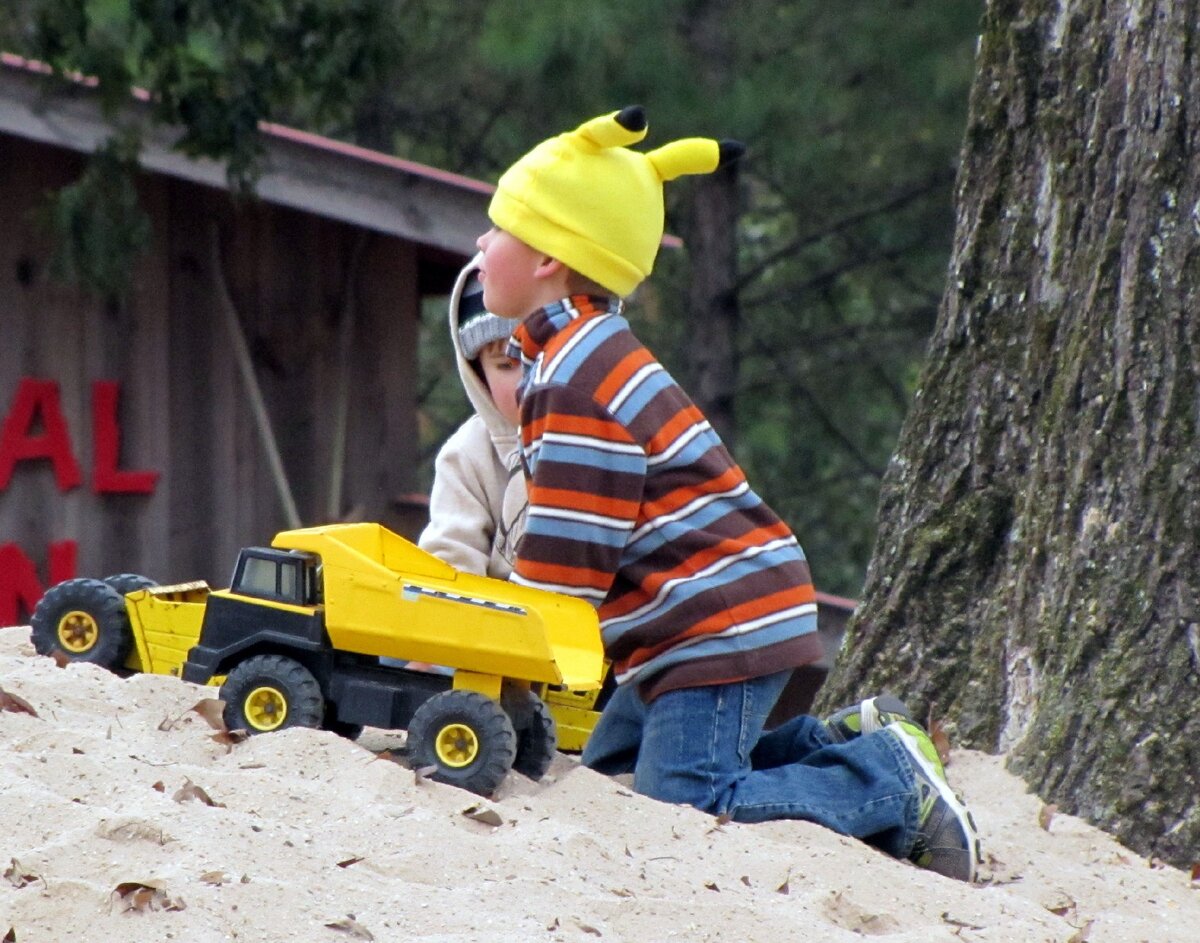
{"x": 788, "y": 293}
{"x": 939, "y": 179}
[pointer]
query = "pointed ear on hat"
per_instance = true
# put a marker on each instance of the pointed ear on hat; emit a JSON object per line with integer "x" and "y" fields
{"x": 619, "y": 129}
{"x": 687, "y": 156}
{"x": 731, "y": 150}
{"x": 632, "y": 118}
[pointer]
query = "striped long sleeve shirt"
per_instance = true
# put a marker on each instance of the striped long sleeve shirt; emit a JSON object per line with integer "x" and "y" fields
{"x": 637, "y": 506}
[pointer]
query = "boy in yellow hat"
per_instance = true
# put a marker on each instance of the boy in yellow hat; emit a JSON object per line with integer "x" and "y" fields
{"x": 704, "y": 596}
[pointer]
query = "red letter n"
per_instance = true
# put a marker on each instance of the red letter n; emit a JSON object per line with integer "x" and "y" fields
{"x": 20, "y": 589}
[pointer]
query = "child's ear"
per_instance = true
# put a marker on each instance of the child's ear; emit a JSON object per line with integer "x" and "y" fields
{"x": 549, "y": 268}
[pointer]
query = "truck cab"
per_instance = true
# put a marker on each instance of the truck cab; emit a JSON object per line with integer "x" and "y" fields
{"x": 286, "y": 576}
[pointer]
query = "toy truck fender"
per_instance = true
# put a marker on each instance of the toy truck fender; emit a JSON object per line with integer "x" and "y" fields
{"x": 230, "y": 633}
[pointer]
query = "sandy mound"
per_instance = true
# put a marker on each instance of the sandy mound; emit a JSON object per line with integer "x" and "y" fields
{"x": 108, "y": 837}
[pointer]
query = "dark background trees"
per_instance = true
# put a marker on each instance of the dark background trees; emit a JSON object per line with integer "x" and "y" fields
{"x": 1037, "y": 572}
{"x": 799, "y": 308}
{"x": 798, "y": 311}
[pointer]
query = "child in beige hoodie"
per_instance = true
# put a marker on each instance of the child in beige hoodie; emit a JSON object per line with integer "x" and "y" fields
{"x": 478, "y": 502}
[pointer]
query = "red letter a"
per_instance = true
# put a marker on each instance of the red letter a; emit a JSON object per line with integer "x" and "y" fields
{"x": 17, "y": 444}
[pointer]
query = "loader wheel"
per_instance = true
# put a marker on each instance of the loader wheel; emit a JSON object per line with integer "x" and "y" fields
{"x": 467, "y": 737}
{"x": 83, "y": 620}
{"x": 125, "y": 583}
{"x": 537, "y": 734}
{"x": 271, "y": 692}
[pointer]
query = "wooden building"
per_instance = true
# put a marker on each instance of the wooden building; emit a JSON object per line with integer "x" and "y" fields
{"x": 261, "y": 373}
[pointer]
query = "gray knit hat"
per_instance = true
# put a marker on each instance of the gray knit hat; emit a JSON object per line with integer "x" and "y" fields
{"x": 478, "y": 327}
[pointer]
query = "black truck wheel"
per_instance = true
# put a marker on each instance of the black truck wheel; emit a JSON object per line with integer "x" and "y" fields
{"x": 125, "y": 583}
{"x": 83, "y": 620}
{"x": 467, "y": 737}
{"x": 271, "y": 692}
{"x": 537, "y": 734}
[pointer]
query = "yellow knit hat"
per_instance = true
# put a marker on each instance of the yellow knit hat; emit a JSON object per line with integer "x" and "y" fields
{"x": 589, "y": 201}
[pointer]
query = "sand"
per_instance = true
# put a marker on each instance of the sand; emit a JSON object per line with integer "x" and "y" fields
{"x": 126, "y": 818}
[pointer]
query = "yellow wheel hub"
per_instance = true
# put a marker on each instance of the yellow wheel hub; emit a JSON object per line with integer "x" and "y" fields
{"x": 77, "y": 631}
{"x": 457, "y": 746}
{"x": 265, "y": 708}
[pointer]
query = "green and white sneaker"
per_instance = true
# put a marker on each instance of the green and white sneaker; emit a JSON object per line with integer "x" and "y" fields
{"x": 870, "y": 716}
{"x": 947, "y": 841}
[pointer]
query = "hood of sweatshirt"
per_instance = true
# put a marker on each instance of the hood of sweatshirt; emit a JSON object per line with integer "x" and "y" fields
{"x": 503, "y": 432}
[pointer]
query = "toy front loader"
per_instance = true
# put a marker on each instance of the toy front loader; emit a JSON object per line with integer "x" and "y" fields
{"x": 124, "y": 622}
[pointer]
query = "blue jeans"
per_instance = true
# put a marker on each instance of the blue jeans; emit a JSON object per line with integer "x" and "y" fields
{"x": 705, "y": 747}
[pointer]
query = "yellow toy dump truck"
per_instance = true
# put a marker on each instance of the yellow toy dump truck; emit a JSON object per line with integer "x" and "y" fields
{"x": 297, "y": 639}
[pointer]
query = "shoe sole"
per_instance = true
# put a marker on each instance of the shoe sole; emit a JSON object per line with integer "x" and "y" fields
{"x": 965, "y": 821}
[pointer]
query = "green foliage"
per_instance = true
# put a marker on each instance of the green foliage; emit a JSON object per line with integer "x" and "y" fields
{"x": 212, "y": 69}
{"x": 98, "y": 221}
{"x": 215, "y": 69}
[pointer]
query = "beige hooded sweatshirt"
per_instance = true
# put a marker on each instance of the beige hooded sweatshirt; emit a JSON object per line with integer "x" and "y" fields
{"x": 478, "y": 502}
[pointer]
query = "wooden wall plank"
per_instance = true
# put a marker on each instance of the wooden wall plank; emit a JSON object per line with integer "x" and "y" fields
{"x": 383, "y": 432}
{"x": 41, "y": 336}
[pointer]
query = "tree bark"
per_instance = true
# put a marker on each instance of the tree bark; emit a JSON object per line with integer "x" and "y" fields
{"x": 1036, "y": 577}
{"x": 713, "y": 312}
{"x": 710, "y": 219}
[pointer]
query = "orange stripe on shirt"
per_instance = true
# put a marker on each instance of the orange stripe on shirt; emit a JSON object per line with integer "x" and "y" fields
{"x": 723, "y": 548}
{"x": 585, "y": 308}
{"x": 606, "y": 429}
{"x": 628, "y": 365}
{"x": 582, "y": 501}
{"x": 672, "y": 501}
{"x": 673, "y": 429}
{"x": 558, "y": 574}
{"x": 691, "y": 565}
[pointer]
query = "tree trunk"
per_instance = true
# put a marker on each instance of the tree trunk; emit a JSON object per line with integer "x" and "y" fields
{"x": 711, "y": 356}
{"x": 1037, "y": 569}
{"x": 710, "y": 231}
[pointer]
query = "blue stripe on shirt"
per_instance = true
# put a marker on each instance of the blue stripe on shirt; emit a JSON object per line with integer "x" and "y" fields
{"x": 649, "y": 387}
{"x": 687, "y": 588}
{"x": 691, "y": 453}
{"x": 600, "y": 330}
{"x": 757, "y": 638}
{"x": 698, "y": 519}
{"x": 592, "y": 458}
{"x": 576, "y": 530}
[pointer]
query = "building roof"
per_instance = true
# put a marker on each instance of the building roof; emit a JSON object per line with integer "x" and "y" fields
{"x": 300, "y": 170}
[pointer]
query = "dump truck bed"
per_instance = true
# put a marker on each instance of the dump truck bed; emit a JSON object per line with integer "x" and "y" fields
{"x": 385, "y": 596}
